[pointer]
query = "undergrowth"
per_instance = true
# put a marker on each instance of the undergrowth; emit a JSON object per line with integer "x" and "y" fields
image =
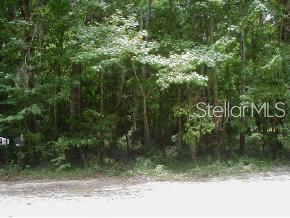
{"x": 148, "y": 167}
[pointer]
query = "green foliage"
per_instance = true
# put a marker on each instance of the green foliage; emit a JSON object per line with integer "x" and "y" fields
{"x": 284, "y": 136}
{"x": 196, "y": 126}
{"x": 34, "y": 152}
{"x": 90, "y": 81}
{"x": 60, "y": 163}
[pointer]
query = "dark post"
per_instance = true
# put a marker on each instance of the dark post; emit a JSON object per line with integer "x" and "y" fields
{"x": 6, "y": 154}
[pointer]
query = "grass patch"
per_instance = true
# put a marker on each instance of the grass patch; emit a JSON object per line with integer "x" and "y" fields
{"x": 158, "y": 170}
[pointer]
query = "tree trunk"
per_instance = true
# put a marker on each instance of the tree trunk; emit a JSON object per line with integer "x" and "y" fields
{"x": 102, "y": 146}
{"x": 149, "y": 12}
{"x": 24, "y": 7}
{"x": 242, "y": 81}
{"x": 179, "y": 122}
{"x": 285, "y": 26}
{"x": 55, "y": 112}
{"x": 242, "y": 143}
{"x": 146, "y": 125}
{"x": 215, "y": 87}
{"x": 79, "y": 98}
{"x": 145, "y": 116}
{"x": 128, "y": 147}
{"x": 11, "y": 12}
{"x": 75, "y": 97}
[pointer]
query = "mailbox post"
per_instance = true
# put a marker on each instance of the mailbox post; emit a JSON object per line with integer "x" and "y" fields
{"x": 6, "y": 154}
{"x": 19, "y": 142}
{"x": 5, "y": 142}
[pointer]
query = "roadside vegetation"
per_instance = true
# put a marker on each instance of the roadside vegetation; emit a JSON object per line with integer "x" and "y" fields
{"x": 100, "y": 87}
{"x": 153, "y": 169}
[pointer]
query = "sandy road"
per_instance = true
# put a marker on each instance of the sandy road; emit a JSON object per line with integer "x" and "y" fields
{"x": 251, "y": 196}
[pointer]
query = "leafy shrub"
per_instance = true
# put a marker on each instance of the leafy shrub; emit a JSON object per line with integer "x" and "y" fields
{"x": 34, "y": 151}
{"x": 255, "y": 143}
{"x": 171, "y": 152}
{"x": 60, "y": 163}
{"x": 195, "y": 127}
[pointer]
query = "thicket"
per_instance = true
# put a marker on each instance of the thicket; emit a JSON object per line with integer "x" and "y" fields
{"x": 88, "y": 81}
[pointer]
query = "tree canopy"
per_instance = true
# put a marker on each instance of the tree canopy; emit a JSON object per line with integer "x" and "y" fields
{"x": 89, "y": 80}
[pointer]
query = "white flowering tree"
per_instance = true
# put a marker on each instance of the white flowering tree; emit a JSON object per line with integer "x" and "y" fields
{"x": 120, "y": 41}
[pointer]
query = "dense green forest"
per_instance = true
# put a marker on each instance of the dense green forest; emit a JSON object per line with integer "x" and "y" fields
{"x": 92, "y": 81}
